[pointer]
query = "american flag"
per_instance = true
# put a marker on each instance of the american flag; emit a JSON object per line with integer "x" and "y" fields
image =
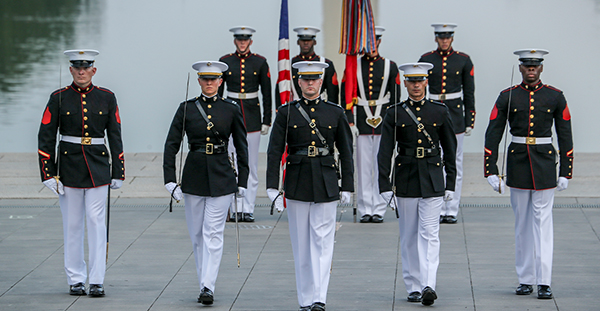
{"x": 283, "y": 60}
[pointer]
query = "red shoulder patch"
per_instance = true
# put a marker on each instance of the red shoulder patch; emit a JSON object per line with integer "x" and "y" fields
{"x": 334, "y": 79}
{"x": 566, "y": 113}
{"x": 118, "y": 116}
{"x": 472, "y": 71}
{"x": 398, "y": 79}
{"x": 47, "y": 116}
{"x": 494, "y": 113}
{"x": 269, "y": 74}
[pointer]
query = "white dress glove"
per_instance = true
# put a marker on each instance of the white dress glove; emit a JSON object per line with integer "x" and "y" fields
{"x": 387, "y": 197}
{"x": 345, "y": 197}
{"x": 177, "y": 195}
{"x": 496, "y": 183}
{"x": 562, "y": 184}
{"x": 354, "y": 130}
{"x": 241, "y": 192}
{"x": 468, "y": 131}
{"x": 52, "y": 185}
{"x": 274, "y": 196}
{"x": 264, "y": 129}
{"x": 116, "y": 183}
{"x": 448, "y": 195}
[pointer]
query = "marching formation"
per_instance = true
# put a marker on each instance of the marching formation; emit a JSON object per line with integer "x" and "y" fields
{"x": 408, "y": 156}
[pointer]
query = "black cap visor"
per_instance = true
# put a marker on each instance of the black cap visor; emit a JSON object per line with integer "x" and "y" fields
{"x": 444, "y": 35}
{"x": 531, "y": 61}
{"x": 82, "y": 63}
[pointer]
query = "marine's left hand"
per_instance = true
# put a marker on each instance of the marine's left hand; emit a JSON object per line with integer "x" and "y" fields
{"x": 241, "y": 192}
{"x": 116, "y": 183}
{"x": 345, "y": 197}
{"x": 468, "y": 131}
{"x": 448, "y": 195}
{"x": 264, "y": 129}
{"x": 562, "y": 184}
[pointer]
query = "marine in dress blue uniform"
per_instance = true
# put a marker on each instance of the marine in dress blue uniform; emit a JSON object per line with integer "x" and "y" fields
{"x": 307, "y": 39}
{"x": 378, "y": 81}
{"x": 248, "y": 72}
{"x": 452, "y": 82}
{"x": 531, "y": 109}
{"x": 418, "y": 178}
{"x": 208, "y": 183}
{"x": 81, "y": 172}
{"x": 311, "y": 182}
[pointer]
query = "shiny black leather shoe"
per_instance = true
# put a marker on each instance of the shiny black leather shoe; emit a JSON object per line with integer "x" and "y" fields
{"x": 524, "y": 289}
{"x": 428, "y": 296}
{"x": 77, "y": 289}
{"x": 365, "y": 219}
{"x": 414, "y": 297}
{"x": 442, "y": 219}
{"x": 317, "y": 306}
{"x": 450, "y": 219}
{"x": 307, "y": 308}
{"x": 544, "y": 292}
{"x": 377, "y": 219}
{"x": 206, "y": 296}
{"x": 96, "y": 290}
{"x": 248, "y": 217}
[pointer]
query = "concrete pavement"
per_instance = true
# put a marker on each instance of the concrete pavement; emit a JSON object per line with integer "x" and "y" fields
{"x": 150, "y": 265}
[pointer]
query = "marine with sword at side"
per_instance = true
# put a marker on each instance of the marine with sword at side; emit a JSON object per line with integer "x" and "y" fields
{"x": 531, "y": 108}
{"x": 80, "y": 174}
{"x": 209, "y": 182}
{"x": 311, "y": 128}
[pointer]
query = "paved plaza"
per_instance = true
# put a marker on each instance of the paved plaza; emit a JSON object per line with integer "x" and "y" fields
{"x": 150, "y": 264}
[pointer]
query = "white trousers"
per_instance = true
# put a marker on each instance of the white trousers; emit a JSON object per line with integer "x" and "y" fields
{"x": 450, "y": 208}
{"x": 205, "y": 217}
{"x": 419, "y": 241}
{"x": 534, "y": 235}
{"x": 369, "y": 201}
{"x": 246, "y": 204}
{"x": 80, "y": 207}
{"x": 312, "y": 230}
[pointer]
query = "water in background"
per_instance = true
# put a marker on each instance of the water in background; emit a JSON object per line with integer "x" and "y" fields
{"x": 147, "y": 48}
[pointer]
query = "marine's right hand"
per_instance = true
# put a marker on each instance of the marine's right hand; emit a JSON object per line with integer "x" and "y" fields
{"x": 56, "y": 187}
{"x": 177, "y": 194}
{"x": 496, "y": 183}
{"x": 275, "y": 197}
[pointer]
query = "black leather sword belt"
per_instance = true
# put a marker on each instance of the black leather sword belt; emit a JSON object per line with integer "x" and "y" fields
{"x": 419, "y": 152}
{"x": 310, "y": 151}
{"x": 208, "y": 148}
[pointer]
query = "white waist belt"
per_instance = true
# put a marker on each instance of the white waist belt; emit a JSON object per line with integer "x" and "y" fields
{"x": 242, "y": 95}
{"x": 532, "y": 140}
{"x": 374, "y": 102}
{"x": 83, "y": 140}
{"x": 446, "y": 96}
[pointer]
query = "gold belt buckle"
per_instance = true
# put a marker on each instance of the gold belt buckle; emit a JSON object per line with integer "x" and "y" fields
{"x": 241, "y": 96}
{"x": 209, "y": 148}
{"x": 372, "y": 103}
{"x": 442, "y": 96}
{"x": 86, "y": 140}
{"x": 530, "y": 140}
{"x": 420, "y": 152}
{"x": 312, "y": 151}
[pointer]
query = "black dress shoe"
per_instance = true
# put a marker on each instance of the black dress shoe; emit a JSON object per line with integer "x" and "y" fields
{"x": 317, "y": 306}
{"x": 414, "y": 297}
{"x": 307, "y": 308}
{"x": 442, "y": 219}
{"x": 544, "y": 292}
{"x": 206, "y": 296}
{"x": 428, "y": 296}
{"x": 365, "y": 219}
{"x": 77, "y": 289}
{"x": 377, "y": 219}
{"x": 248, "y": 217}
{"x": 96, "y": 290}
{"x": 450, "y": 219}
{"x": 524, "y": 289}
